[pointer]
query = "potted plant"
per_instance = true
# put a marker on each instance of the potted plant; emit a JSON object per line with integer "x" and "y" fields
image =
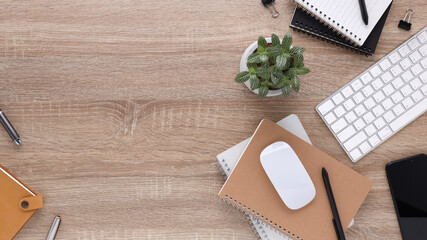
{"x": 270, "y": 67}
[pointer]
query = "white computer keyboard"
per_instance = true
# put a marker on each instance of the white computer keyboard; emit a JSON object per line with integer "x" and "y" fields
{"x": 380, "y": 101}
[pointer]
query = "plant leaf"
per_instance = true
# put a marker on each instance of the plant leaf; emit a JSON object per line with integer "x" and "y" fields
{"x": 255, "y": 82}
{"x": 298, "y": 60}
{"x": 263, "y": 57}
{"x": 242, "y": 77}
{"x": 263, "y": 73}
{"x": 279, "y": 85}
{"x": 286, "y": 90}
{"x": 276, "y": 76}
{"x": 287, "y": 42}
{"x": 262, "y": 42}
{"x": 254, "y": 58}
{"x": 263, "y": 91}
{"x": 296, "y": 50}
{"x": 275, "y": 40}
{"x": 301, "y": 70}
{"x": 265, "y": 65}
{"x": 252, "y": 65}
{"x": 295, "y": 83}
{"x": 282, "y": 61}
{"x": 274, "y": 51}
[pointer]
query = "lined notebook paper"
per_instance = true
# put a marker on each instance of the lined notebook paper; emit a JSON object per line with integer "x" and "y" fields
{"x": 345, "y": 16}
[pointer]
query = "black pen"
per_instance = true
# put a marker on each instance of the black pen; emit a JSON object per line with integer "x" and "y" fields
{"x": 9, "y": 128}
{"x": 364, "y": 11}
{"x": 336, "y": 217}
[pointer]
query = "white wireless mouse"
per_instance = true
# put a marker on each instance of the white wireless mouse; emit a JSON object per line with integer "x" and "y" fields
{"x": 288, "y": 175}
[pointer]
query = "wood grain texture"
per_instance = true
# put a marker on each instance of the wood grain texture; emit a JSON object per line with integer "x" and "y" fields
{"x": 122, "y": 107}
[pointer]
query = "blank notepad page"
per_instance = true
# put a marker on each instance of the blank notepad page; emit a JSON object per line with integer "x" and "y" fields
{"x": 345, "y": 16}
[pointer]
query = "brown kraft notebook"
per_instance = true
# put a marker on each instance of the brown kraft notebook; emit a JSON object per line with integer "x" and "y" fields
{"x": 249, "y": 189}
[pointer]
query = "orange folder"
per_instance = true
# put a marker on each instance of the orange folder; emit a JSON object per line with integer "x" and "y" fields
{"x": 17, "y": 204}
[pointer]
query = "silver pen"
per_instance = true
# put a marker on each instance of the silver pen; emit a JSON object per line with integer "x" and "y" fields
{"x": 54, "y": 228}
{"x": 9, "y": 128}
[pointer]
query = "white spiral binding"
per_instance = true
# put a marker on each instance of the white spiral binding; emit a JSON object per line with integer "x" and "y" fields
{"x": 264, "y": 221}
{"x": 304, "y": 8}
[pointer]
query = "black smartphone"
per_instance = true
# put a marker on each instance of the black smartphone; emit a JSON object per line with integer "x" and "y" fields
{"x": 408, "y": 186}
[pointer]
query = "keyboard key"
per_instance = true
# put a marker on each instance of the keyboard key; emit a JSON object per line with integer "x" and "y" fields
{"x": 347, "y": 92}
{"x": 408, "y": 116}
{"x": 407, "y": 76}
{"x": 355, "y": 154}
{"x": 406, "y": 90}
{"x": 359, "y": 124}
{"x": 386, "y": 77}
{"x": 378, "y": 110}
{"x": 424, "y": 63}
{"x": 408, "y": 103}
{"x": 366, "y": 77}
{"x": 387, "y": 104}
{"x": 375, "y": 71}
{"x": 397, "y": 83}
{"x": 350, "y": 117}
{"x": 379, "y": 123}
{"x": 417, "y": 69}
{"x": 358, "y": 97}
{"x": 417, "y": 96}
{"x": 338, "y": 125}
{"x": 389, "y": 116}
{"x": 368, "y": 90}
{"x": 365, "y": 147}
{"x": 355, "y": 140}
{"x": 398, "y": 109}
{"x": 414, "y": 43}
{"x": 339, "y": 111}
{"x": 416, "y": 83}
{"x": 357, "y": 84}
{"x": 385, "y": 133}
{"x": 404, "y": 50}
{"x": 423, "y": 77}
{"x": 346, "y": 133}
{"x": 379, "y": 96}
{"x": 377, "y": 84}
{"x": 424, "y": 89}
{"x": 397, "y": 97}
{"x": 389, "y": 89}
{"x": 326, "y": 107}
{"x": 405, "y": 63}
{"x": 370, "y": 130}
{"x": 423, "y": 50}
{"x": 374, "y": 141}
{"x": 385, "y": 64}
{"x": 396, "y": 70}
{"x": 330, "y": 118}
{"x": 360, "y": 110}
{"x": 369, "y": 117}
{"x": 422, "y": 37}
{"x": 415, "y": 56}
{"x": 370, "y": 103}
{"x": 394, "y": 57}
{"x": 349, "y": 104}
{"x": 338, "y": 98}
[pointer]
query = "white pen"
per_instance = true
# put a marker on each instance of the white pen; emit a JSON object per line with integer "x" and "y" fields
{"x": 54, "y": 228}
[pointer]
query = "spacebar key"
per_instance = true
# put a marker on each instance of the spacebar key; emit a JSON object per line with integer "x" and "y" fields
{"x": 355, "y": 140}
{"x": 414, "y": 112}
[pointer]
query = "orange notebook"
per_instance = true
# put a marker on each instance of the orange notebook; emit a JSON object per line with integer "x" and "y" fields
{"x": 249, "y": 189}
{"x": 17, "y": 204}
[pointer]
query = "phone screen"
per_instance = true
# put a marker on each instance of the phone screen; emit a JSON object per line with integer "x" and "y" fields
{"x": 408, "y": 185}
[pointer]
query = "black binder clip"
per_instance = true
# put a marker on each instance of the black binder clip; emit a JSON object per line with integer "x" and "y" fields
{"x": 405, "y": 23}
{"x": 270, "y": 5}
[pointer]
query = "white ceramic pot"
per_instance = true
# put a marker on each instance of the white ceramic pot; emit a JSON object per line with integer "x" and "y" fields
{"x": 243, "y": 67}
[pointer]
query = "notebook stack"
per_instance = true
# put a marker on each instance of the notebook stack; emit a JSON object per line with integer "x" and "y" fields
{"x": 248, "y": 188}
{"x": 340, "y": 22}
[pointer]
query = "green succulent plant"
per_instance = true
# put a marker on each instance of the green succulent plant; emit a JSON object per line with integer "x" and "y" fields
{"x": 274, "y": 66}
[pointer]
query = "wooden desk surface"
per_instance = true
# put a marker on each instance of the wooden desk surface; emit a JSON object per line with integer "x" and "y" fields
{"x": 123, "y": 105}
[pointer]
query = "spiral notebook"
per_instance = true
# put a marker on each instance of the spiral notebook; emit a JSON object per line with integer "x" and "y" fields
{"x": 345, "y": 16}
{"x": 249, "y": 189}
{"x": 227, "y": 161}
{"x": 304, "y": 22}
